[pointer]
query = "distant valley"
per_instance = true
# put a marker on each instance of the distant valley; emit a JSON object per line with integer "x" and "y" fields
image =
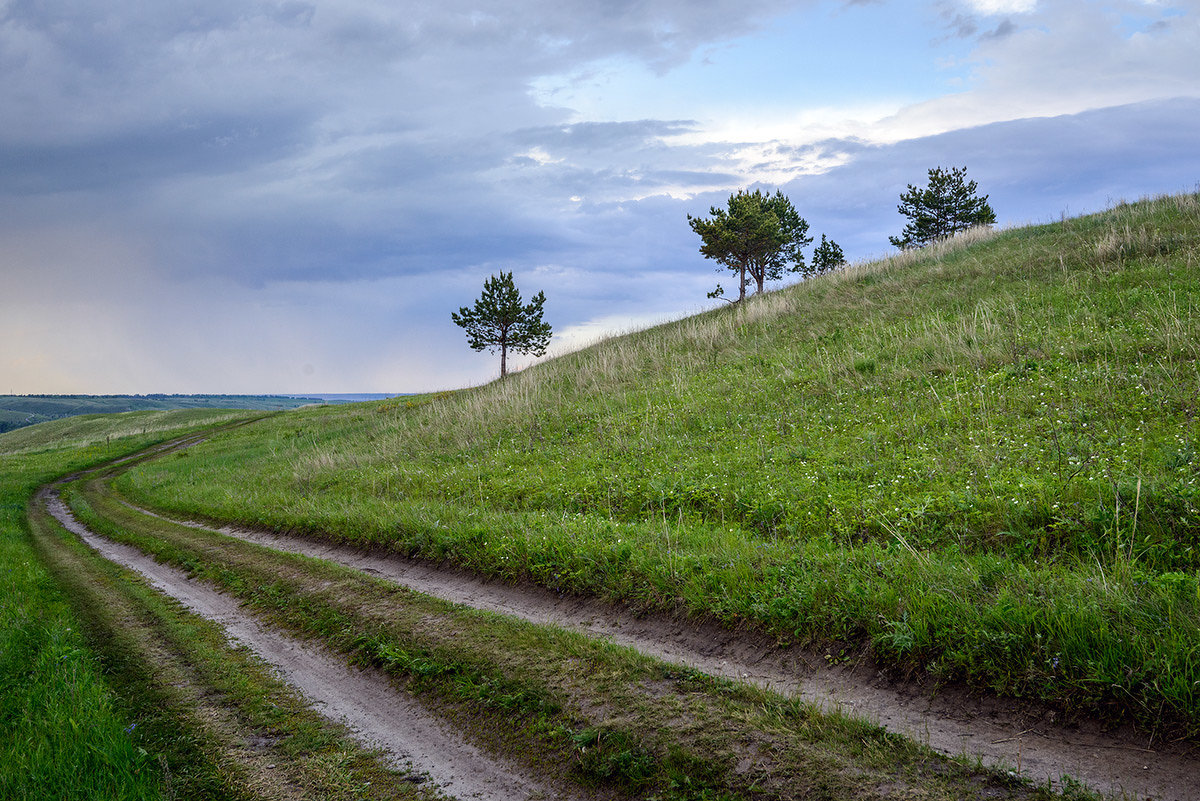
{"x": 17, "y": 411}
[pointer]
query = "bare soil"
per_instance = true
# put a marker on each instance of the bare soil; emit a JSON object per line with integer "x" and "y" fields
{"x": 956, "y": 721}
{"x": 378, "y": 715}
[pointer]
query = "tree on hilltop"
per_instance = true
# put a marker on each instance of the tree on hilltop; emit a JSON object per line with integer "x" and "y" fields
{"x": 758, "y": 235}
{"x": 827, "y": 257}
{"x": 500, "y": 321}
{"x": 942, "y": 209}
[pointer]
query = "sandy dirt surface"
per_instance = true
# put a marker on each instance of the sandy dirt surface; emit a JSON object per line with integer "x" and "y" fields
{"x": 365, "y": 701}
{"x": 952, "y": 722}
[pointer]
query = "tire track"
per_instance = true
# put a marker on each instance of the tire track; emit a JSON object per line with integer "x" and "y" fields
{"x": 365, "y": 701}
{"x": 997, "y": 732}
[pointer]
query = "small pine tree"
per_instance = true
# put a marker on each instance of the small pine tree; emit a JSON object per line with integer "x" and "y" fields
{"x": 500, "y": 321}
{"x": 827, "y": 256}
{"x": 942, "y": 209}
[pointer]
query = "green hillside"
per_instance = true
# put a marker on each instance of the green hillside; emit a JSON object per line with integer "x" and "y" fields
{"x": 89, "y": 429}
{"x": 973, "y": 462}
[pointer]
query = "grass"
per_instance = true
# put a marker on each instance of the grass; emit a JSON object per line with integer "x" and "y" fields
{"x": 217, "y": 722}
{"x": 62, "y": 734}
{"x": 978, "y": 461}
{"x": 585, "y": 712}
{"x": 91, "y": 431}
{"x": 109, "y": 690}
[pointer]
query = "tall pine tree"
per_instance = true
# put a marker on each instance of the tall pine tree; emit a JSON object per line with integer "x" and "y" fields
{"x": 758, "y": 236}
{"x": 500, "y": 321}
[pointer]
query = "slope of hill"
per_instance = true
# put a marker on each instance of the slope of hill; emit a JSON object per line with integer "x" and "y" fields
{"x": 974, "y": 462}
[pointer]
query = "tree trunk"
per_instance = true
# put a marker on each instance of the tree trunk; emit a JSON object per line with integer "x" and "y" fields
{"x": 742, "y": 285}
{"x": 503, "y": 359}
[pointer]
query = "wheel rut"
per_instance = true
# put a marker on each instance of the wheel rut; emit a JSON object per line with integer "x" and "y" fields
{"x": 377, "y": 714}
{"x": 951, "y": 722}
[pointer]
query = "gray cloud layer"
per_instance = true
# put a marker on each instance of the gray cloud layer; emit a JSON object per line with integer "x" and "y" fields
{"x": 231, "y": 196}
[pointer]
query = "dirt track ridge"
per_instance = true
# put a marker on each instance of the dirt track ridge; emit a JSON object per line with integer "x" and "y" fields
{"x": 377, "y": 714}
{"x": 997, "y": 732}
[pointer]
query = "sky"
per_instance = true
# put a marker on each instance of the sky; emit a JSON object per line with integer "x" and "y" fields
{"x": 289, "y": 196}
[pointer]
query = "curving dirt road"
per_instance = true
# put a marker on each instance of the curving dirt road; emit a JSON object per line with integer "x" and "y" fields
{"x": 365, "y": 701}
{"x": 997, "y": 732}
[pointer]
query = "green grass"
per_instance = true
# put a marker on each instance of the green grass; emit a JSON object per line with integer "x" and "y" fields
{"x": 61, "y": 735}
{"x": 91, "y": 431}
{"x": 571, "y": 708}
{"x": 979, "y": 460}
{"x": 217, "y": 722}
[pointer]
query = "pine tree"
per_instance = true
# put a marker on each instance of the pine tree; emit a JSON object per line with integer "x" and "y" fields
{"x": 827, "y": 256}
{"x": 500, "y": 321}
{"x": 757, "y": 235}
{"x": 942, "y": 209}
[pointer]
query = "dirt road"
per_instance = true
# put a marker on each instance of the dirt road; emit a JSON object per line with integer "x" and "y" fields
{"x": 997, "y": 732}
{"x": 365, "y": 701}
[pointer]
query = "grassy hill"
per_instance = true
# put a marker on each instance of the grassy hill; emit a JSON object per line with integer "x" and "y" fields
{"x": 974, "y": 462}
{"x": 85, "y": 430}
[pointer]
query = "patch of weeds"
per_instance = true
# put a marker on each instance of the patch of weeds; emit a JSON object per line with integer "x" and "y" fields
{"x": 864, "y": 366}
{"x": 610, "y": 756}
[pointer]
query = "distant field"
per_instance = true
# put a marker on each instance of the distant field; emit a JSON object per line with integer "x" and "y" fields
{"x": 17, "y": 411}
{"x": 979, "y": 462}
{"x": 92, "y": 430}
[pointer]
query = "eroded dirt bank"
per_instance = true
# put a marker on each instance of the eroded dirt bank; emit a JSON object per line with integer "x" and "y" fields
{"x": 1000, "y": 733}
{"x": 363, "y": 700}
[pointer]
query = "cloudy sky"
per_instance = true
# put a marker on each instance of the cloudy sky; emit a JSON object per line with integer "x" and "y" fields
{"x": 291, "y": 196}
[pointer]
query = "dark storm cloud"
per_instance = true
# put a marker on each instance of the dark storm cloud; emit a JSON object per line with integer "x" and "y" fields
{"x": 1004, "y": 29}
{"x": 131, "y": 159}
{"x": 99, "y": 65}
{"x": 266, "y": 141}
